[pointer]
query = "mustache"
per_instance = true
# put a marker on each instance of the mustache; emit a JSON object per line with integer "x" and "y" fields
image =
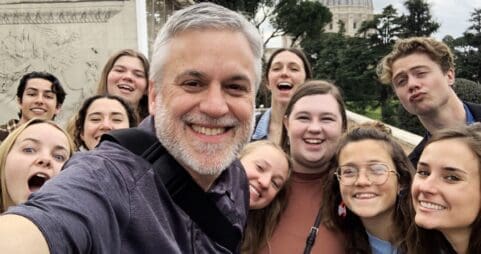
{"x": 204, "y": 119}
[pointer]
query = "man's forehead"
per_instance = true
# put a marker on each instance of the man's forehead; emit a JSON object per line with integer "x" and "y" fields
{"x": 210, "y": 57}
{"x": 411, "y": 62}
{"x": 39, "y": 84}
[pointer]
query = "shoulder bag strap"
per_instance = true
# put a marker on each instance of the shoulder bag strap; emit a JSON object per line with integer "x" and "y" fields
{"x": 311, "y": 238}
{"x": 185, "y": 192}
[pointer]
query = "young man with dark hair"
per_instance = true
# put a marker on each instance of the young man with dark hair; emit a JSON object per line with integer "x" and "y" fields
{"x": 39, "y": 95}
{"x": 421, "y": 71}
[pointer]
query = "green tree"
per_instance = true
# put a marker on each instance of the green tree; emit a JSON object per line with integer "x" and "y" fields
{"x": 298, "y": 19}
{"x": 468, "y": 90}
{"x": 468, "y": 49}
{"x": 301, "y": 19}
{"x": 350, "y": 63}
{"x": 418, "y": 21}
{"x": 383, "y": 29}
{"x": 381, "y": 33}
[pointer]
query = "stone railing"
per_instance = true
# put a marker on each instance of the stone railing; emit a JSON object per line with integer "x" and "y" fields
{"x": 406, "y": 139}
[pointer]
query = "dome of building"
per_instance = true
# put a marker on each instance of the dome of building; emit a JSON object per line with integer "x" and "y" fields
{"x": 357, "y": 3}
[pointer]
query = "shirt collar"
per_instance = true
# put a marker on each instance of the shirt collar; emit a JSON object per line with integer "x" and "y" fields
{"x": 262, "y": 127}
{"x": 469, "y": 115}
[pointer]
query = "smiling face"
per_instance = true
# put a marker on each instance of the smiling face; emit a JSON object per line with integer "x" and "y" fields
{"x": 127, "y": 80}
{"x": 285, "y": 73}
{"x": 37, "y": 155}
{"x": 420, "y": 84}
{"x": 313, "y": 127}
{"x": 446, "y": 187}
{"x": 38, "y": 100}
{"x": 102, "y": 116}
{"x": 267, "y": 170}
{"x": 365, "y": 199}
{"x": 204, "y": 109}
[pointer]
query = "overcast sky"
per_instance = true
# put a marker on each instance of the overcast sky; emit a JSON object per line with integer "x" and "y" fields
{"x": 453, "y": 15}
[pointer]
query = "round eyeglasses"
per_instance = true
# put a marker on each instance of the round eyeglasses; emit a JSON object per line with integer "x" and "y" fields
{"x": 376, "y": 173}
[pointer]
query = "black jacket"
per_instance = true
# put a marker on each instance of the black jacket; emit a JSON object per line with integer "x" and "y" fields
{"x": 416, "y": 153}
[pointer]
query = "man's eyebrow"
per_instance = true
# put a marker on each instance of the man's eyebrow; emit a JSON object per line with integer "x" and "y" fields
{"x": 239, "y": 77}
{"x": 408, "y": 70}
{"x": 192, "y": 73}
{"x": 189, "y": 73}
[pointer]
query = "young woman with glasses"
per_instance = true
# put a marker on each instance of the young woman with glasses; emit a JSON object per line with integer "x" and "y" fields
{"x": 367, "y": 195}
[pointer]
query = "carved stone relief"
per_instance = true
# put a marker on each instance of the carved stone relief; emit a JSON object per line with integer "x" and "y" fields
{"x": 70, "y": 39}
{"x": 63, "y": 17}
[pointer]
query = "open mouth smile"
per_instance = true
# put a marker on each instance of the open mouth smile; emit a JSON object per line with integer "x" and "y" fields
{"x": 285, "y": 86}
{"x": 125, "y": 87}
{"x": 37, "y": 180}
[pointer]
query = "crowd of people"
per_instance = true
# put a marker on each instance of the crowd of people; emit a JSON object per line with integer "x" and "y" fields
{"x": 170, "y": 156}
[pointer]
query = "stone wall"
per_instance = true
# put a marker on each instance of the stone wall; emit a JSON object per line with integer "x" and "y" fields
{"x": 71, "y": 39}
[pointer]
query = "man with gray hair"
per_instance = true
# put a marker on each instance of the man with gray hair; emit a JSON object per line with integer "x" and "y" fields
{"x": 205, "y": 72}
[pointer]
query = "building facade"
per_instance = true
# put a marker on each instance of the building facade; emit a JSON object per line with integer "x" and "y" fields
{"x": 351, "y": 12}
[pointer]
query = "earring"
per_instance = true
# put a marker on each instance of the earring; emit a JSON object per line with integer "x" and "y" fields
{"x": 342, "y": 210}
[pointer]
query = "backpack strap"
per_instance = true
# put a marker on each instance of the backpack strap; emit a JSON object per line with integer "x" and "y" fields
{"x": 135, "y": 140}
{"x": 185, "y": 192}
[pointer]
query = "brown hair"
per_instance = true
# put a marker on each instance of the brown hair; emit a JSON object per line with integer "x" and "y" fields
{"x": 262, "y": 222}
{"x": 6, "y": 147}
{"x": 436, "y": 50}
{"x": 351, "y": 225}
{"x": 432, "y": 240}
{"x": 313, "y": 87}
{"x": 75, "y": 126}
{"x": 141, "y": 110}
{"x": 297, "y": 52}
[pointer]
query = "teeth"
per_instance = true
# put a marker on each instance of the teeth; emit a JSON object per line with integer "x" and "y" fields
{"x": 285, "y": 84}
{"x": 39, "y": 110}
{"x": 364, "y": 195}
{"x": 313, "y": 141}
{"x": 123, "y": 86}
{"x": 208, "y": 131}
{"x": 41, "y": 175}
{"x": 430, "y": 205}
{"x": 253, "y": 190}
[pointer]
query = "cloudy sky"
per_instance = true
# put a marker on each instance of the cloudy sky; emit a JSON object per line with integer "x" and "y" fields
{"x": 452, "y": 14}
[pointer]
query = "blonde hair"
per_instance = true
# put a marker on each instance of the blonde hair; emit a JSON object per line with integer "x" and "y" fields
{"x": 436, "y": 50}
{"x": 262, "y": 222}
{"x": 6, "y": 147}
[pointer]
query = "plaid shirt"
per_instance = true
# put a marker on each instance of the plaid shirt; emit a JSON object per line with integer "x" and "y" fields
{"x": 7, "y": 128}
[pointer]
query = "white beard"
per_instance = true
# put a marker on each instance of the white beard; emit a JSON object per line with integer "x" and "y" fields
{"x": 200, "y": 157}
